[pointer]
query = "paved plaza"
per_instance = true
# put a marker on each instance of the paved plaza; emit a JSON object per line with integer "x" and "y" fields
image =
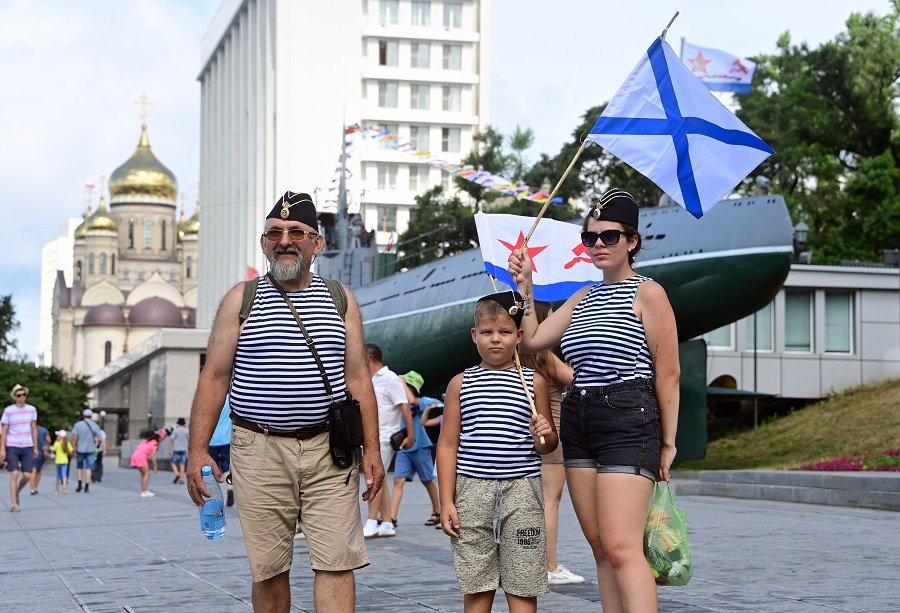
{"x": 112, "y": 550}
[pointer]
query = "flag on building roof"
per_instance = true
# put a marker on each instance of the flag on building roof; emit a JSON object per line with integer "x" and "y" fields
{"x": 562, "y": 265}
{"x": 718, "y": 70}
{"x": 666, "y": 124}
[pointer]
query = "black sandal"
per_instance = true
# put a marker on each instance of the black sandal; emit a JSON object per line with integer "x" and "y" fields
{"x": 434, "y": 520}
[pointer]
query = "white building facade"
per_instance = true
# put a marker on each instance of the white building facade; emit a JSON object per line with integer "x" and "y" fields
{"x": 830, "y": 328}
{"x": 280, "y": 80}
{"x": 56, "y": 256}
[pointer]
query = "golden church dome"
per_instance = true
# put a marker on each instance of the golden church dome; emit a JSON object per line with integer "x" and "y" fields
{"x": 101, "y": 219}
{"x": 189, "y": 227}
{"x": 81, "y": 230}
{"x": 143, "y": 176}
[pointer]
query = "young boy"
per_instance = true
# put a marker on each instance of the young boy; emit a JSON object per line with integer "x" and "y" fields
{"x": 491, "y": 496}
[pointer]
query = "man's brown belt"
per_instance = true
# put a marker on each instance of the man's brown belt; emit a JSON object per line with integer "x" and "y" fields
{"x": 299, "y": 434}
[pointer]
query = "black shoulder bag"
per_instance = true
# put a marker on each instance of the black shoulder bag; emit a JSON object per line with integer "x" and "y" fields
{"x": 345, "y": 419}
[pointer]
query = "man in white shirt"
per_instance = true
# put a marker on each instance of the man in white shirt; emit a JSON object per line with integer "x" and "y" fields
{"x": 390, "y": 393}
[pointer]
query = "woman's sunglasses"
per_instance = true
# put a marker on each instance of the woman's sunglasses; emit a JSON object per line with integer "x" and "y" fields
{"x": 607, "y": 237}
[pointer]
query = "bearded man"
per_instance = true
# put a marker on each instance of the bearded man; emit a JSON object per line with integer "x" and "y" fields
{"x": 280, "y": 456}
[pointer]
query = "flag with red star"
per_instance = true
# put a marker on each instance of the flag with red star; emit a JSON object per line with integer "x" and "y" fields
{"x": 562, "y": 265}
{"x": 720, "y": 71}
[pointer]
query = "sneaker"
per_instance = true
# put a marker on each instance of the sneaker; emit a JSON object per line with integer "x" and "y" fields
{"x": 386, "y": 529}
{"x": 370, "y": 529}
{"x": 175, "y": 480}
{"x": 147, "y": 494}
{"x": 79, "y": 487}
{"x": 229, "y": 500}
{"x": 87, "y": 488}
{"x": 563, "y": 576}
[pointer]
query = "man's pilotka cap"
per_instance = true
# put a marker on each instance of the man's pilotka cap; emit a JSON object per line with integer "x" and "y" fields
{"x": 295, "y": 206}
{"x": 616, "y": 205}
{"x": 512, "y": 302}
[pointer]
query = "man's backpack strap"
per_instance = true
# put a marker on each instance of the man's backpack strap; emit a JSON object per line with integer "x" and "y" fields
{"x": 247, "y": 302}
{"x": 338, "y": 296}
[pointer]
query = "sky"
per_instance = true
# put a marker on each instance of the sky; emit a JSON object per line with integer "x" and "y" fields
{"x": 73, "y": 72}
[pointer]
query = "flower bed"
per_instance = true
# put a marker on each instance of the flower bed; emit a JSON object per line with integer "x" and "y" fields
{"x": 885, "y": 461}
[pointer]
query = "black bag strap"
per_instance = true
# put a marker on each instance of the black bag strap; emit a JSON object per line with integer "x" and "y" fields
{"x": 309, "y": 341}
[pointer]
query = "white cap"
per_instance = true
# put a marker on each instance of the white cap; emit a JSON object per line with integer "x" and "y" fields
{"x": 87, "y": 413}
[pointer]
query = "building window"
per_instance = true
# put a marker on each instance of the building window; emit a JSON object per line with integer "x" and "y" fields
{"x": 173, "y": 275}
{"x": 78, "y": 270}
{"x": 452, "y": 99}
{"x": 91, "y": 263}
{"x": 388, "y": 52}
{"x": 421, "y": 13}
{"x": 450, "y": 140}
{"x": 389, "y": 12}
{"x": 387, "y": 218}
{"x": 418, "y": 138}
{"x": 107, "y": 352}
{"x": 387, "y": 95}
{"x": 798, "y": 321}
{"x": 140, "y": 274}
{"x": 384, "y": 141}
{"x": 452, "y": 15}
{"x": 112, "y": 268}
{"x": 420, "y": 55}
{"x": 131, "y": 234}
{"x": 162, "y": 230}
{"x": 452, "y": 57}
{"x": 418, "y": 96}
{"x": 418, "y": 178}
{"x": 148, "y": 234}
{"x": 445, "y": 182}
{"x": 838, "y": 322}
{"x": 124, "y": 272}
{"x": 188, "y": 267}
{"x": 387, "y": 176}
{"x": 720, "y": 338}
{"x": 102, "y": 263}
{"x": 762, "y": 320}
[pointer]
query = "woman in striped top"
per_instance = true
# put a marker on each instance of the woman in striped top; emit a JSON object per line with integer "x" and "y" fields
{"x": 618, "y": 421}
{"x": 490, "y": 485}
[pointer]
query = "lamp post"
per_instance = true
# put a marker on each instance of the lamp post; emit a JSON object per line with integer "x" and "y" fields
{"x": 801, "y": 234}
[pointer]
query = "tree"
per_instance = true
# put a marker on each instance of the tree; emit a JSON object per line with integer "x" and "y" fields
{"x": 58, "y": 397}
{"x": 439, "y": 226}
{"x": 831, "y": 114}
{"x": 490, "y": 155}
{"x": 8, "y": 325}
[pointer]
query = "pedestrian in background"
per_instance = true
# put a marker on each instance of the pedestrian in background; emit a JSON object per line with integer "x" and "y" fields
{"x": 490, "y": 467}
{"x": 618, "y": 421}
{"x": 179, "y": 449}
{"x": 145, "y": 451}
{"x": 97, "y": 475}
{"x": 85, "y": 437}
{"x": 62, "y": 452}
{"x": 220, "y": 449}
{"x": 19, "y": 444}
{"x": 416, "y": 459}
{"x": 43, "y": 441}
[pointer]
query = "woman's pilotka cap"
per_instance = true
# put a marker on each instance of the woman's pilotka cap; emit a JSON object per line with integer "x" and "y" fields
{"x": 616, "y": 205}
{"x": 294, "y": 206}
{"x": 512, "y": 302}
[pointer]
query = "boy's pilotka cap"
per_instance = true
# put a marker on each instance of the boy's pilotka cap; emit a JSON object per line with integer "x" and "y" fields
{"x": 294, "y": 206}
{"x": 512, "y": 302}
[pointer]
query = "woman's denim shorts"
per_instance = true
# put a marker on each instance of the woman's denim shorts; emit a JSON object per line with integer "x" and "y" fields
{"x": 613, "y": 428}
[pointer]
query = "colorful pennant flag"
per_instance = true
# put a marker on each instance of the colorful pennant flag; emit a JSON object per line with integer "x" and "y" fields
{"x": 718, "y": 70}
{"x": 561, "y": 263}
{"x": 667, "y": 125}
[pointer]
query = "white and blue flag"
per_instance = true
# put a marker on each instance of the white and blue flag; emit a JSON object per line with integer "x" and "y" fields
{"x": 562, "y": 265}
{"x": 718, "y": 70}
{"x": 666, "y": 124}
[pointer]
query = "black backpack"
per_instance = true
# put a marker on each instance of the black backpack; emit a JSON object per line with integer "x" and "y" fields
{"x": 338, "y": 295}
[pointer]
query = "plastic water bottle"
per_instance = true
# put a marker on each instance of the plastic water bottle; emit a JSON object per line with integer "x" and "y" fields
{"x": 212, "y": 513}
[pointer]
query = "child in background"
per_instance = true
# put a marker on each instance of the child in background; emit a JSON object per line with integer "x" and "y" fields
{"x": 145, "y": 451}
{"x": 490, "y": 485}
{"x": 62, "y": 449}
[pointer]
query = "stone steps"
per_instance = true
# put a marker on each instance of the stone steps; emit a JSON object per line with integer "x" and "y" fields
{"x": 873, "y": 490}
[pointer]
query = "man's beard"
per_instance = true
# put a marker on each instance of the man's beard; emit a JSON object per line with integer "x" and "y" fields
{"x": 286, "y": 272}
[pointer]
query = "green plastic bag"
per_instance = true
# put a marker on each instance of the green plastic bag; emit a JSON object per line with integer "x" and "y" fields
{"x": 665, "y": 539}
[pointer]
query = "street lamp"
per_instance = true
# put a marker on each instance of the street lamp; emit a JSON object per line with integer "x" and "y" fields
{"x": 801, "y": 234}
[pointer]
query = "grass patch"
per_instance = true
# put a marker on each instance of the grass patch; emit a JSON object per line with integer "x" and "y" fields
{"x": 863, "y": 421}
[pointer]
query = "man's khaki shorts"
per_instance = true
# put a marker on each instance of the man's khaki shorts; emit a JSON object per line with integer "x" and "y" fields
{"x": 278, "y": 480}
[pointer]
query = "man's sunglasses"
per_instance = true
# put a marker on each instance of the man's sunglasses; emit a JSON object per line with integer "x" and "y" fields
{"x": 23, "y": 394}
{"x": 607, "y": 237}
{"x": 295, "y": 234}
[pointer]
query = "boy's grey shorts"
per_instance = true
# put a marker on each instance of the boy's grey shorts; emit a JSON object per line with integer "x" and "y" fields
{"x": 510, "y": 511}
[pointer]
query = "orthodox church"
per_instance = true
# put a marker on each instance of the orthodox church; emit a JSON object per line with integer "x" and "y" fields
{"x": 135, "y": 268}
